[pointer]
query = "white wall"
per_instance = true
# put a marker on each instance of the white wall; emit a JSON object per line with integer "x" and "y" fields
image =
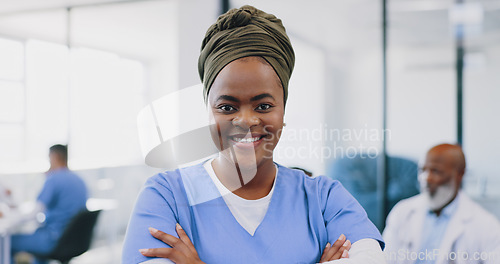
{"x": 421, "y": 99}
{"x": 481, "y": 126}
{"x": 299, "y": 146}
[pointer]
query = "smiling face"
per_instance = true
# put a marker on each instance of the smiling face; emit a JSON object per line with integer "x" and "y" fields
{"x": 247, "y": 103}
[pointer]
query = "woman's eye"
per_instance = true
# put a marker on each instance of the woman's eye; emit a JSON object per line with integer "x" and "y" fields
{"x": 264, "y": 107}
{"x": 226, "y": 108}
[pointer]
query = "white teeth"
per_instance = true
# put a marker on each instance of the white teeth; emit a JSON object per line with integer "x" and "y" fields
{"x": 246, "y": 140}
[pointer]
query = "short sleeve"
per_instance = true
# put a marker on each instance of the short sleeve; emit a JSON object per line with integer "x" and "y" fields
{"x": 48, "y": 194}
{"x": 155, "y": 207}
{"x": 344, "y": 215}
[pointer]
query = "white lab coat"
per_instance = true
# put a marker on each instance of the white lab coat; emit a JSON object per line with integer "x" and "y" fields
{"x": 472, "y": 231}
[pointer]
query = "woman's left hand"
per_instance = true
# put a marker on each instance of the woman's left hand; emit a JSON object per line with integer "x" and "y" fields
{"x": 182, "y": 251}
{"x": 339, "y": 249}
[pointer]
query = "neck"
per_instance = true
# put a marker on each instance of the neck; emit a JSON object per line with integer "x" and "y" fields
{"x": 58, "y": 166}
{"x": 439, "y": 211}
{"x": 247, "y": 183}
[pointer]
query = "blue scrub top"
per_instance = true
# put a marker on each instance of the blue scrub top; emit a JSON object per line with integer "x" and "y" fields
{"x": 304, "y": 214}
{"x": 64, "y": 194}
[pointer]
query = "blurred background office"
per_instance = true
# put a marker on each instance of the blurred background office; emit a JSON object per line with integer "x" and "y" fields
{"x": 376, "y": 84}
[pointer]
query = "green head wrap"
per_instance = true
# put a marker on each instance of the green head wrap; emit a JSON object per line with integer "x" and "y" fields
{"x": 245, "y": 32}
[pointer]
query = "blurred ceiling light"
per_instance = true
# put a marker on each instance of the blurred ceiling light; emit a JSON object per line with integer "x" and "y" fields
{"x": 415, "y": 6}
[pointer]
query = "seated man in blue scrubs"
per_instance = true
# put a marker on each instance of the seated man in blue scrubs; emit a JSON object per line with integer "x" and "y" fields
{"x": 240, "y": 207}
{"x": 63, "y": 195}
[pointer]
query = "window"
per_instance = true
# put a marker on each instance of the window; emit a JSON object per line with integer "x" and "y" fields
{"x": 84, "y": 97}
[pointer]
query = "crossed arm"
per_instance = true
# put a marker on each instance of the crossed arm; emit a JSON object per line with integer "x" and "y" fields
{"x": 182, "y": 250}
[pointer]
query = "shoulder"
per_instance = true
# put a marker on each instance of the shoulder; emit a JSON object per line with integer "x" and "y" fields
{"x": 67, "y": 179}
{"x": 323, "y": 193}
{"x": 475, "y": 210}
{"x": 320, "y": 185}
{"x": 167, "y": 181}
{"x": 300, "y": 176}
{"x": 292, "y": 173}
{"x": 481, "y": 227}
{"x": 160, "y": 196}
{"x": 192, "y": 183}
{"x": 408, "y": 204}
{"x": 405, "y": 209}
{"x": 61, "y": 175}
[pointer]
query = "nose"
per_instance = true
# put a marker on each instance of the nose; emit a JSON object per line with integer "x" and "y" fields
{"x": 246, "y": 119}
{"x": 432, "y": 179}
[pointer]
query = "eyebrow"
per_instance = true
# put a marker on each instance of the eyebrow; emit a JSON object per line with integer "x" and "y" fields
{"x": 261, "y": 96}
{"x": 255, "y": 98}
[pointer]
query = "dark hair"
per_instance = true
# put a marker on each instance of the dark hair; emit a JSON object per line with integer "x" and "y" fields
{"x": 61, "y": 151}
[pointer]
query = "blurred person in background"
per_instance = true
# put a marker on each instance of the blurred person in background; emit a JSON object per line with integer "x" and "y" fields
{"x": 5, "y": 194}
{"x": 441, "y": 224}
{"x": 5, "y": 199}
{"x": 63, "y": 195}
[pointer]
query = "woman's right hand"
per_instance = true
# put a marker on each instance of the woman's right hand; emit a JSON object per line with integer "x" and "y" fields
{"x": 182, "y": 250}
{"x": 339, "y": 249}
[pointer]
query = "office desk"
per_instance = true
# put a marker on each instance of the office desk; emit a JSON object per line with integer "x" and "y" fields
{"x": 7, "y": 225}
{"x": 12, "y": 222}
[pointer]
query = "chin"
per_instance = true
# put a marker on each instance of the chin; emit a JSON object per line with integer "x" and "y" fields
{"x": 246, "y": 160}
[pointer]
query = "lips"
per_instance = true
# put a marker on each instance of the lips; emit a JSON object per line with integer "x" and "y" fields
{"x": 247, "y": 140}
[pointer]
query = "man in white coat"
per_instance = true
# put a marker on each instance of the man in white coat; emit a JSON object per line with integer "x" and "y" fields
{"x": 441, "y": 224}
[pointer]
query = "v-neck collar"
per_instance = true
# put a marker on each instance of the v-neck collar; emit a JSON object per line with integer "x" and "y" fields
{"x": 225, "y": 191}
{"x": 200, "y": 188}
{"x": 236, "y": 204}
{"x": 218, "y": 230}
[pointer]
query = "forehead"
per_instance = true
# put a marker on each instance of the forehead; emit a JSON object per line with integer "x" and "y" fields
{"x": 438, "y": 158}
{"x": 246, "y": 78}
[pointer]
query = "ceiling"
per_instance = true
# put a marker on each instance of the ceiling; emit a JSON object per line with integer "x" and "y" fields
{"x": 141, "y": 30}
{"x": 15, "y": 6}
{"x": 333, "y": 25}
{"x": 354, "y": 23}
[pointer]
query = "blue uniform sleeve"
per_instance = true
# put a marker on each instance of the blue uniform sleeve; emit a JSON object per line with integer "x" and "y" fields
{"x": 155, "y": 207}
{"x": 344, "y": 215}
{"x": 48, "y": 194}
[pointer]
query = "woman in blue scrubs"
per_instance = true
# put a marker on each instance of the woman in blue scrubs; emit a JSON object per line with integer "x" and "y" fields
{"x": 241, "y": 206}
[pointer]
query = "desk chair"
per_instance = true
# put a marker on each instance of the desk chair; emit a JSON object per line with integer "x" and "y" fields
{"x": 359, "y": 177}
{"x": 76, "y": 238}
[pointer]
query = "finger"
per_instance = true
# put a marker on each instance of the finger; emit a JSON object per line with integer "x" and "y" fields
{"x": 170, "y": 240}
{"x": 184, "y": 237}
{"x": 349, "y": 245}
{"x": 345, "y": 254}
{"x": 335, "y": 248}
{"x": 340, "y": 251}
{"x": 325, "y": 251}
{"x": 170, "y": 253}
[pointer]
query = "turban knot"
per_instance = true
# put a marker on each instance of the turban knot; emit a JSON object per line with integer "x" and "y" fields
{"x": 245, "y": 32}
